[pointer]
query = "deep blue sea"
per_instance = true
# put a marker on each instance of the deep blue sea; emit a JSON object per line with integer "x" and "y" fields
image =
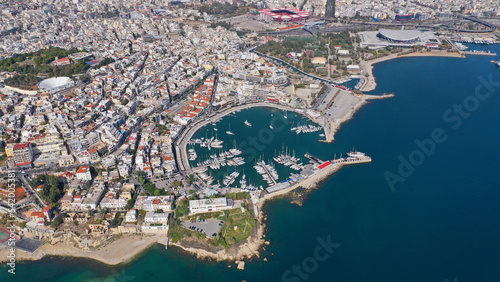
{"x": 439, "y": 222}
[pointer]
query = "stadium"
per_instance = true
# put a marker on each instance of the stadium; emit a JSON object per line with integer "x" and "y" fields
{"x": 284, "y": 15}
{"x": 54, "y": 84}
{"x": 399, "y": 36}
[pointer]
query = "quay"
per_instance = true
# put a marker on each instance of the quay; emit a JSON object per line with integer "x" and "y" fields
{"x": 324, "y": 170}
{"x": 475, "y": 52}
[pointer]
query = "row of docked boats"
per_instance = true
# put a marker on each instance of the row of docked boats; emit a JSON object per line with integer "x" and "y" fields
{"x": 360, "y": 83}
{"x": 226, "y": 158}
{"x": 208, "y": 179}
{"x": 306, "y": 129}
{"x": 289, "y": 161}
{"x": 268, "y": 172}
{"x": 478, "y": 41}
{"x": 207, "y": 143}
{"x": 229, "y": 179}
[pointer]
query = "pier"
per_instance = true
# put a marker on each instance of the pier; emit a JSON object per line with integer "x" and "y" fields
{"x": 476, "y": 52}
{"x": 313, "y": 159}
{"x": 269, "y": 174}
{"x": 317, "y": 176}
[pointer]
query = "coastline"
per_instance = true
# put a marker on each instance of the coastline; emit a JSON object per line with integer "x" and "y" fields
{"x": 129, "y": 247}
{"x": 367, "y": 66}
{"x": 122, "y": 250}
{"x": 250, "y": 248}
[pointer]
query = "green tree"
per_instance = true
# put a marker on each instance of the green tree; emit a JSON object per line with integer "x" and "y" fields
{"x": 58, "y": 220}
{"x": 116, "y": 221}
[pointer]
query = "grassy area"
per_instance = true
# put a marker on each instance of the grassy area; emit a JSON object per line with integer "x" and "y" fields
{"x": 182, "y": 209}
{"x": 208, "y": 215}
{"x": 176, "y": 232}
{"x": 30, "y": 65}
{"x": 237, "y": 227}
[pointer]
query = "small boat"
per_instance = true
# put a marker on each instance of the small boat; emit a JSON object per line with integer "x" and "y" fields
{"x": 271, "y": 126}
{"x": 247, "y": 123}
{"x": 192, "y": 154}
{"x": 229, "y": 131}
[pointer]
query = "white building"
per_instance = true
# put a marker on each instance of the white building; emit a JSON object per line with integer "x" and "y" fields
{"x": 131, "y": 216}
{"x": 353, "y": 68}
{"x": 153, "y": 203}
{"x": 83, "y": 173}
{"x": 155, "y": 228}
{"x": 152, "y": 217}
{"x": 210, "y": 205}
{"x": 92, "y": 199}
{"x": 119, "y": 203}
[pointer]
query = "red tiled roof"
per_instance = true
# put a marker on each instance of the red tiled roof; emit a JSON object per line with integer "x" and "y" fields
{"x": 38, "y": 214}
{"x": 83, "y": 169}
{"x": 21, "y": 145}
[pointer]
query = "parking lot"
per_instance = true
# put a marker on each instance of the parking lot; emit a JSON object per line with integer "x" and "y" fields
{"x": 324, "y": 100}
{"x": 209, "y": 227}
{"x": 343, "y": 103}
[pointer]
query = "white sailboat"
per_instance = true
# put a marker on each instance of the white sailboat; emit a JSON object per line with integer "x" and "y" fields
{"x": 229, "y": 131}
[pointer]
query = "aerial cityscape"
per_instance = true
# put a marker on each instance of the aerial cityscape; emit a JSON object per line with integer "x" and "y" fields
{"x": 221, "y": 140}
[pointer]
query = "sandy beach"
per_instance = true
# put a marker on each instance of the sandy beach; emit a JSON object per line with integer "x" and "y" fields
{"x": 367, "y": 66}
{"x": 121, "y": 250}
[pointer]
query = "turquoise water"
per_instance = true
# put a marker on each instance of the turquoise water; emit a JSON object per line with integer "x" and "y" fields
{"x": 442, "y": 222}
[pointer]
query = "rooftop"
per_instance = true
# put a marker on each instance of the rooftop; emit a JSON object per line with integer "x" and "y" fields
{"x": 400, "y": 35}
